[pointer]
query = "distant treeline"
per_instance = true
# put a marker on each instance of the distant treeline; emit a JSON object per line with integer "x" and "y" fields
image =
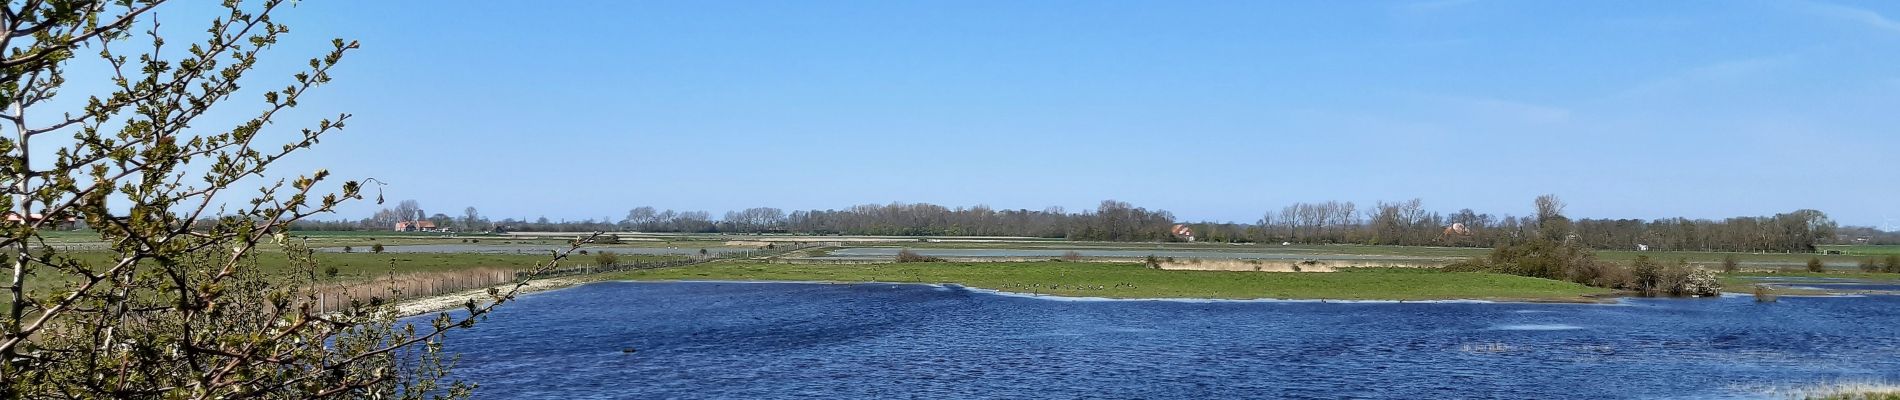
{"x": 1382, "y": 223}
{"x": 1407, "y": 223}
{"x": 1111, "y": 221}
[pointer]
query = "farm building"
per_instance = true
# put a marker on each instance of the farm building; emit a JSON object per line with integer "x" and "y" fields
{"x": 13, "y": 217}
{"x": 416, "y": 226}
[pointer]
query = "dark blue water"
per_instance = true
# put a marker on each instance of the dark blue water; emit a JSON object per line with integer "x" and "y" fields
{"x": 781, "y": 340}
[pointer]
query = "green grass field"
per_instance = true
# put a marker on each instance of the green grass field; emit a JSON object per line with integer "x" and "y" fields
{"x": 364, "y": 239}
{"x": 1863, "y": 250}
{"x": 1079, "y": 279}
{"x": 1851, "y": 254}
{"x": 1121, "y": 280}
{"x": 362, "y": 266}
{"x": 1743, "y": 282}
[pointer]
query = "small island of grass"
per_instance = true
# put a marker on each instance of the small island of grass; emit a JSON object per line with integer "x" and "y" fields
{"x": 1130, "y": 281}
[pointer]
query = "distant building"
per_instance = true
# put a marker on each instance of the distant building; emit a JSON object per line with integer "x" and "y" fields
{"x": 416, "y": 226}
{"x": 14, "y": 217}
{"x": 1182, "y": 232}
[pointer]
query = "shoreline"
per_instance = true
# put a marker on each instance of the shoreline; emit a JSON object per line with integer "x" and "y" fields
{"x": 1135, "y": 282}
{"x": 439, "y": 303}
{"x": 433, "y": 304}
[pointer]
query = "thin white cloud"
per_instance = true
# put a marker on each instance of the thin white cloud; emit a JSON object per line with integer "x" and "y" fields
{"x": 1506, "y": 110}
{"x": 1440, "y": 43}
{"x": 1713, "y": 74}
{"x": 1854, "y": 14}
{"x": 1433, "y": 5}
{"x": 1734, "y": 69}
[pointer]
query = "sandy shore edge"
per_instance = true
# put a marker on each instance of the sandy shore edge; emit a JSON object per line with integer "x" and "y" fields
{"x": 451, "y": 301}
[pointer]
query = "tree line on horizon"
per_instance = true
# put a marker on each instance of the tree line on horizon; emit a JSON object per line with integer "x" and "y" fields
{"x": 1404, "y": 223}
{"x": 1407, "y": 223}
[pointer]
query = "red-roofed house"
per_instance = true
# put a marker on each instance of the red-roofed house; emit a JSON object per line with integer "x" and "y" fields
{"x": 416, "y": 226}
{"x": 14, "y": 217}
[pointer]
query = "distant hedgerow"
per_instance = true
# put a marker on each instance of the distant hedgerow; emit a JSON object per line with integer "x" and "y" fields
{"x": 907, "y": 256}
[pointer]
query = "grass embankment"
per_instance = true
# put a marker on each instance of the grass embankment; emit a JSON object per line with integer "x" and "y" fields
{"x": 1743, "y": 282}
{"x": 1851, "y": 254}
{"x": 370, "y": 274}
{"x": 362, "y": 266}
{"x": 1862, "y": 249}
{"x": 361, "y": 240}
{"x": 1119, "y": 280}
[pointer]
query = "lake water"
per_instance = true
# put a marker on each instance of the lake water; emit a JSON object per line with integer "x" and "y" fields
{"x": 784, "y": 340}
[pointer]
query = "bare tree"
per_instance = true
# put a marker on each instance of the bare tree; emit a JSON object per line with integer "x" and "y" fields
{"x": 1551, "y": 222}
{"x": 471, "y": 220}
{"x": 409, "y": 210}
{"x": 639, "y": 218}
{"x": 1549, "y": 207}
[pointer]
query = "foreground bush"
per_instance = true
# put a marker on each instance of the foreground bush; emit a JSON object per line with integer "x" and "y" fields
{"x": 1701, "y": 283}
{"x": 1677, "y": 279}
{"x": 130, "y": 144}
{"x": 1551, "y": 260}
{"x": 180, "y": 307}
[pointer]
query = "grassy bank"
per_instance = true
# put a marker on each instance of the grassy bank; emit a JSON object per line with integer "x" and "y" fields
{"x": 1120, "y": 280}
{"x": 362, "y": 266}
{"x": 362, "y": 240}
{"x": 1743, "y": 282}
{"x": 1847, "y": 261}
{"x": 385, "y": 275}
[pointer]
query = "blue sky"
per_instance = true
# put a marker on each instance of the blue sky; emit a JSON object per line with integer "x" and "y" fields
{"x": 1212, "y": 110}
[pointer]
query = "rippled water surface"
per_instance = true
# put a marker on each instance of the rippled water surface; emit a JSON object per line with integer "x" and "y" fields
{"x": 781, "y": 340}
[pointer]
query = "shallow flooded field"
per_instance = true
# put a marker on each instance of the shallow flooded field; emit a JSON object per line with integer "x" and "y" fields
{"x": 781, "y": 340}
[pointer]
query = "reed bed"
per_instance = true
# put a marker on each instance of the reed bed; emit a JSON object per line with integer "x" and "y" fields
{"x": 1851, "y": 390}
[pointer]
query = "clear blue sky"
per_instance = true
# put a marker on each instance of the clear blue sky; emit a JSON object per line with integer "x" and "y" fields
{"x": 1212, "y": 110}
